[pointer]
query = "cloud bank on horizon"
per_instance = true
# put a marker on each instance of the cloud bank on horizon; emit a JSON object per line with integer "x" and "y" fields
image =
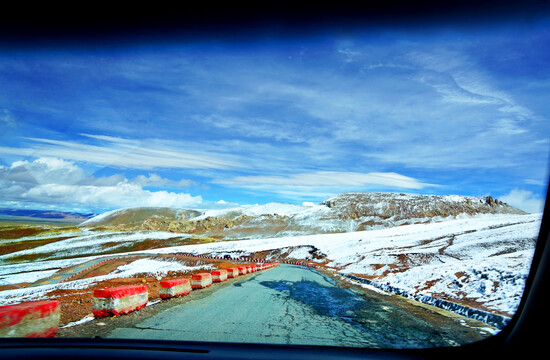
{"x": 214, "y": 124}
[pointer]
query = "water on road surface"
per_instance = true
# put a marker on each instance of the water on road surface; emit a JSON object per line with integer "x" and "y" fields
{"x": 294, "y": 305}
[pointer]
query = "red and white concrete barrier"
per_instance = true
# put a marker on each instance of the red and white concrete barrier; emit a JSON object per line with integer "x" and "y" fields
{"x": 119, "y": 300}
{"x": 219, "y": 275}
{"x": 31, "y": 319}
{"x": 200, "y": 281}
{"x": 232, "y": 272}
{"x": 242, "y": 270}
{"x": 174, "y": 287}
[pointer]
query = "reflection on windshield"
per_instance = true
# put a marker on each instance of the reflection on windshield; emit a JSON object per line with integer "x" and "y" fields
{"x": 379, "y": 190}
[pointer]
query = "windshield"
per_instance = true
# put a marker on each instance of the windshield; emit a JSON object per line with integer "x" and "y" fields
{"x": 373, "y": 188}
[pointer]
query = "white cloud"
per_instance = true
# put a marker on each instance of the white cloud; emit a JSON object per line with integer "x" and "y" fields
{"x": 313, "y": 182}
{"x": 42, "y": 171}
{"x": 524, "y": 200}
{"x": 156, "y": 180}
{"x": 51, "y": 181}
{"x": 120, "y": 195}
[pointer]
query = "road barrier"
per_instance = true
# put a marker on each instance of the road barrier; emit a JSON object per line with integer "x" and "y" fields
{"x": 174, "y": 287}
{"x": 31, "y": 319}
{"x": 299, "y": 263}
{"x": 200, "y": 281}
{"x": 232, "y": 272}
{"x": 119, "y": 300}
{"x": 242, "y": 270}
{"x": 219, "y": 275}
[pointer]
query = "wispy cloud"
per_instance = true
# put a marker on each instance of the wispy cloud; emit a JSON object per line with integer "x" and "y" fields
{"x": 460, "y": 79}
{"x": 255, "y": 127}
{"x": 124, "y": 153}
{"x": 158, "y": 181}
{"x": 324, "y": 182}
{"x": 508, "y": 127}
{"x": 7, "y": 118}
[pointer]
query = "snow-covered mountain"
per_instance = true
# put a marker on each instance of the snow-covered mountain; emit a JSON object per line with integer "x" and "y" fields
{"x": 343, "y": 213}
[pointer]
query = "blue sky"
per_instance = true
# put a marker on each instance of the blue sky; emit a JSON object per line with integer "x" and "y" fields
{"x": 214, "y": 123}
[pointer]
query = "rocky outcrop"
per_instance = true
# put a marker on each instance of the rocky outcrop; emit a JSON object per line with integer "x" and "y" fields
{"x": 401, "y": 206}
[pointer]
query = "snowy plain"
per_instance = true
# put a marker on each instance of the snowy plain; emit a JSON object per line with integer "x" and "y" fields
{"x": 483, "y": 258}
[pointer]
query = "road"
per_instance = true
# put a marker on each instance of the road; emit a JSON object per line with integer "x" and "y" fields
{"x": 293, "y": 305}
{"x": 68, "y": 274}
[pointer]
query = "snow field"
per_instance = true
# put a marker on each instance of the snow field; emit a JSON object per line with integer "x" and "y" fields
{"x": 485, "y": 258}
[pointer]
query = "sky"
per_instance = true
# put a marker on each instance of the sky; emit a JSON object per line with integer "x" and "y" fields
{"x": 209, "y": 124}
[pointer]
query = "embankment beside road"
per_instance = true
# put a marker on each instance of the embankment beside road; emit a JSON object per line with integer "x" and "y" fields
{"x": 495, "y": 320}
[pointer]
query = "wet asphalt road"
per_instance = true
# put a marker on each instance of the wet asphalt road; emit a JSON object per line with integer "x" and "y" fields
{"x": 293, "y": 305}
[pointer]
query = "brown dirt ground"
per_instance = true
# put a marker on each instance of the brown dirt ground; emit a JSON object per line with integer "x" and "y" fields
{"x": 28, "y": 244}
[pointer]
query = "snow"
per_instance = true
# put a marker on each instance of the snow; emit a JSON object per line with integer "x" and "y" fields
{"x": 300, "y": 253}
{"x": 365, "y": 286}
{"x": 257, "y": 210}
{"x": 153, "y": 267}
{"x": 41, "y": 265}
{"x": 150, "y": 267}
{"x": 103, "y": 216}
{"x": 85, "y": 319}
{"x": 27, "y": 277}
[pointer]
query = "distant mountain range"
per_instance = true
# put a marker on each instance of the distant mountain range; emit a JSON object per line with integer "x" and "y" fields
{"x": 43, "y": 215}
{"x": 343, "y": 213}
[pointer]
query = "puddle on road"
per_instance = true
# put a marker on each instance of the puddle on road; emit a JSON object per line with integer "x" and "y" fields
{"x": 391, "y": 326}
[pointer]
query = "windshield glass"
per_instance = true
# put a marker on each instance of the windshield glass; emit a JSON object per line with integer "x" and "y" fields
{"x": 378, "y": 189}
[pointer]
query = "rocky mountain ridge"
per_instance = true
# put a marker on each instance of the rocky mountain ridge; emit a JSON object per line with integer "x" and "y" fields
{"x": 343, "y": 213}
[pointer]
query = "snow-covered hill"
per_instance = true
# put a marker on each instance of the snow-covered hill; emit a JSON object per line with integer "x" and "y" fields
{"x": 343, "y": 213}
{"x": 137, "y": 216}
